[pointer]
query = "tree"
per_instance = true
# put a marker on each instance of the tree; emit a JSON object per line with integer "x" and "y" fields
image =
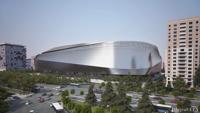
{"x": 72, "y": 91}
{"x": 3, "y": 93}
{"x": 197, "y": 78}
{"x": 180, "y": 86}
{"x": 108, "y": 96}
{"x": 184, "y": 105}
{"x": 145, "y": 105}
{"x": 90, "y": 97}
{"x": 122, "y": 101}
{"x": 65, "y": 93}
{"x": 78, "y": 108}
{"x": 102, "y": 85}
{"x": 81, "y": 92}
{"x": 4, "y": 107}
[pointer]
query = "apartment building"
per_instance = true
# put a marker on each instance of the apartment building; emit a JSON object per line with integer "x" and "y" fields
{"x": 183, "y": 52}
{"x": 12, "y": 57}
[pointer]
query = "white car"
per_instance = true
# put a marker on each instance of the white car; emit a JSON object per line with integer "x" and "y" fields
{"x": 31, "y": 111}
{"x": 27, "y": 103}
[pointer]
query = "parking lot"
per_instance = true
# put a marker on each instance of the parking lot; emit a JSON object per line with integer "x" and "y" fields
{"x": 40, "y": 102}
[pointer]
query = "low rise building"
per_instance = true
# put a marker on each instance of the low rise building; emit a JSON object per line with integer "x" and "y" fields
{"x": 12, "y": 57}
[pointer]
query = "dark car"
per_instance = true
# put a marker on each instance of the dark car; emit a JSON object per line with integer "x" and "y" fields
{"x": 44, "y": 94}
{"x": 51, "y": 94}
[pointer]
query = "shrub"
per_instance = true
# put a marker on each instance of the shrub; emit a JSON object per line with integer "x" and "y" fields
{"x": 65, "y": 93}
{"x": 129, "y": 98}
{"x": 81, "y": 92}
{"x": 72, "y": 91}
{"x": 190, "y": 95}
{"x": 78, "y": 108}
{"x": 86, "y": 108}
{"x": 115, "y": 110}
{"x": 71, "y": 105}
{"x": 175, "y": 93}
{"x": 99, "y": 110}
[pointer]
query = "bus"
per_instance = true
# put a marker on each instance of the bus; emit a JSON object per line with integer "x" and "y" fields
{"x": 161, "y": 108}
{"x": 57, "y": 107}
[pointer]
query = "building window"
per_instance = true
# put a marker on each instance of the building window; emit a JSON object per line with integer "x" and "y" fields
{"x": 182, "y": 34}
{"x": 182, "y": 23}
{"x": 190, "y": 22}
{"x": 182, "y": 27}
{"x": 197, "y": 22}
{"x": 182, "y": 46}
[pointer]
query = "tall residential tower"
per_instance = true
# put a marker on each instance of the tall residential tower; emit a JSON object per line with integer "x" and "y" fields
{"x": 182, "y": 54}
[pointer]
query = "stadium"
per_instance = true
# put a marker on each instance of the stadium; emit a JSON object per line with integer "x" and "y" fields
{"x": 115, "y": 58}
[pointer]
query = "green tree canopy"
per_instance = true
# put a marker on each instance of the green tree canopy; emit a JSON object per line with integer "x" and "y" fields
{"x": 145, "y": 105}
{"x": 122, "y": 101}
{"x": 180, "y": 86}
{"x": 197, "y": 77}
{"x": 90, "y": 97}
{"x": 108, "y": 97}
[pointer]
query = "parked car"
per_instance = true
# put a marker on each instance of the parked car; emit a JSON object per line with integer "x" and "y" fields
{"x": 44, "y": 94}
{"x": 27, "y": 102}
{"x": 41, "y": 99}
{"x": 51, "y": 94}
{"x": 31, "y": 111}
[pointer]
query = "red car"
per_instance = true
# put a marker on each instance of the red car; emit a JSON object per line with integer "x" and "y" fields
{"x": 41, "y": 99}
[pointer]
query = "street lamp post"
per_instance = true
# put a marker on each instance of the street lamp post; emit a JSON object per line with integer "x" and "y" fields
{"x": 108, "y": 106}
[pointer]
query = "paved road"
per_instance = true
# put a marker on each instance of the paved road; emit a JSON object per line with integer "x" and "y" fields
{"x": 18, "y": 106}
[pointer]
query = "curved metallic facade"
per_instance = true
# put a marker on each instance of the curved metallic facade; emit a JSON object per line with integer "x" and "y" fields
{"x": 120, "y": 58}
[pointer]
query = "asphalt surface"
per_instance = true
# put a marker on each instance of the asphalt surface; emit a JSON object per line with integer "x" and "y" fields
{"x": 19, "y": 105}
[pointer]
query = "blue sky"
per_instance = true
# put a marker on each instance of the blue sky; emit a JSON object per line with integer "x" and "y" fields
{"x": 43, "y": 24}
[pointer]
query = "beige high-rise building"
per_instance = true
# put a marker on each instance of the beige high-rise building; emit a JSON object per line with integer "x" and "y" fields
{"x": 182, "y": 56}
